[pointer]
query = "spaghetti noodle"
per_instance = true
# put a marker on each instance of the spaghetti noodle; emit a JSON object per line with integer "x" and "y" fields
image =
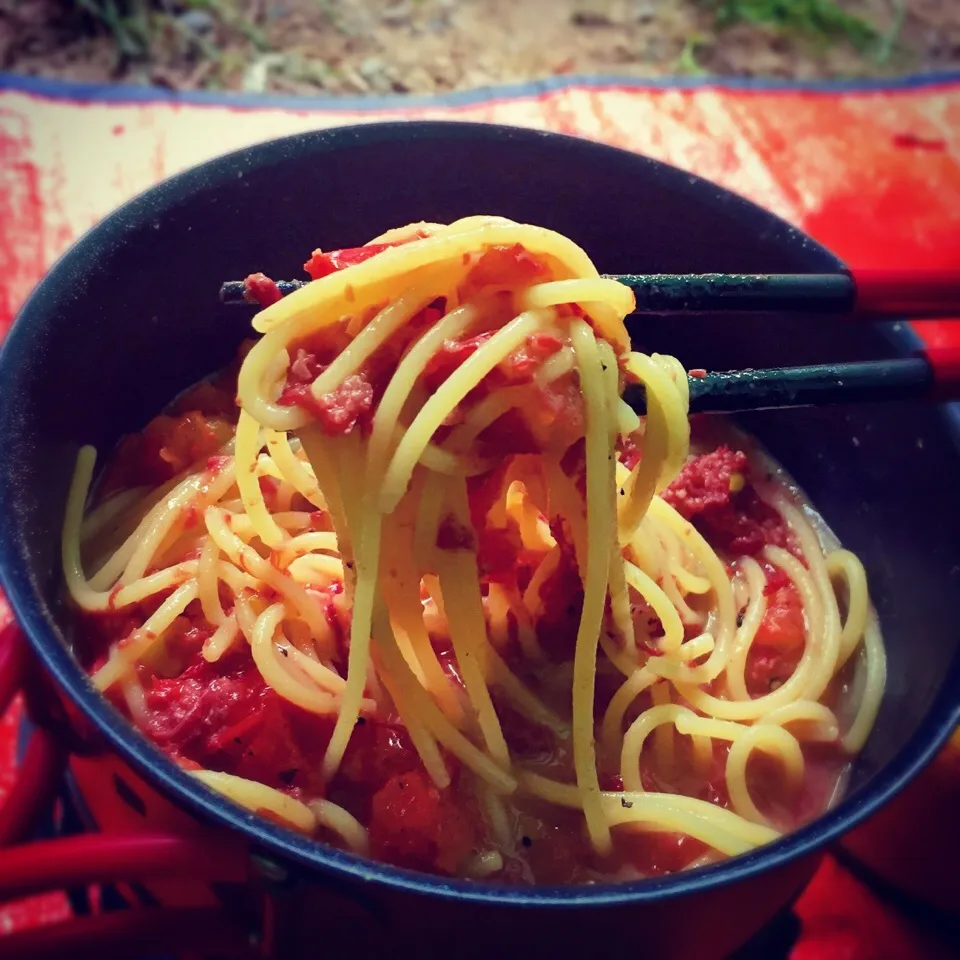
{"x": 438, "y": 596}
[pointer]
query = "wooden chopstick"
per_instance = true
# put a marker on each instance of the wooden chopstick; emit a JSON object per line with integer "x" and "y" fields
{"x": 862, "y": 295}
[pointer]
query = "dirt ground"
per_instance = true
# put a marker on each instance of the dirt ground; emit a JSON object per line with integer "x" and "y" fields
{"x": 374, "y": 47}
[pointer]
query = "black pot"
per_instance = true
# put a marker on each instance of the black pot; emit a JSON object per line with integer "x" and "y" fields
{"x": 130, "y": 316}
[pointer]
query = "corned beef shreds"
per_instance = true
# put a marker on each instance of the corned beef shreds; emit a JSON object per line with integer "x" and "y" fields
{"x": 713, "y": 491}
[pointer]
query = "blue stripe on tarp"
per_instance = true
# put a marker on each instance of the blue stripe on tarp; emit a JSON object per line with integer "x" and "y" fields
{"x": 129, "y": 93}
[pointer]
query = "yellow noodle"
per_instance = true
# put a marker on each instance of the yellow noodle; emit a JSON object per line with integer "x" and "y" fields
{"x": 750, "y": 622}
{"x": 819, "y": 722}
{"x": 423, "y": 738}
{"x": 631, "y": 688}
{"x": 421, "y": 704}
{"x": 208, "y": 582}
{"x": 769, "y": 739}
{"x": 316, "y": 568}
{"x": 248, "y": 447}
{"x": 600, "y": 522}
{"x": 221, "y": 640}
{"x": 377, "y": 332}
{"x": 345, "y": 825}
{"x": 796, "y": 684}
{"x": 451, "y": 392}
{"x": 844, "y": 565}
{"x": 265, "y": 655}
{"x": 256, "y": 797}
{"x": 666, "y": 440}
{"x": 294, "y": 470}
{"x": 241, "y": 525}
{"x": 460, "y": 587}
{"x": 123, "y": 659}
{"x": 660, "y": 605}
{"x": 872, "y": 691}
{"x": 251, "y": 562}
{"x": 720, "y": 829}
{"x": 664, "y": 742}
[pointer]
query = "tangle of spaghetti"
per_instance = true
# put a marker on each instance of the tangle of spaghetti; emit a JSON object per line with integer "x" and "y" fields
{"x": 431, "y": 449}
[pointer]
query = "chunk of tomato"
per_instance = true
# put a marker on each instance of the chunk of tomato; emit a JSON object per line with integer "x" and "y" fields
{"x": 322, "y": 264}
{"x": 769, "y": 667}
{"x": 782, "y": 626}
{"x": 416, "y": 825}
{"x": 654, "y": 853}
{"x": 507, "y": 266}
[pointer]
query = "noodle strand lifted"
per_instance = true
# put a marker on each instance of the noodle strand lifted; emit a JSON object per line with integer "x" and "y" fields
{"x": 437, "y": 595}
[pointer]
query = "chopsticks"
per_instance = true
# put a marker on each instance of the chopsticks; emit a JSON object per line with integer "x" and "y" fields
{"x": 864, "y": 295}
{"x": 933, "y": 376}
{"x": 860, "y": 295}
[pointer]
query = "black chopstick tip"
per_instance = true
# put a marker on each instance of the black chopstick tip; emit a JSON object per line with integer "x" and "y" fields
{"x": 239, "y": 291}
{"x": 234, "y": 291}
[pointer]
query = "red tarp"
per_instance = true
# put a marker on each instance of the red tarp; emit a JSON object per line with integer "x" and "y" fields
{"x": 870, "y": 170}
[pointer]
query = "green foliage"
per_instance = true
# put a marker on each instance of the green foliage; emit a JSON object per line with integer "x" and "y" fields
{"x": 230, "y": 16}
{"x": 138, "y": 27}
{"x": 687, "y": 63}
{"x": 820, "y": 20}
{"x": 128, "y": 21}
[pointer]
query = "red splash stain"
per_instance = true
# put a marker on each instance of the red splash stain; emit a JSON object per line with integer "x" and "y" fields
{"x": 158, "y": 166}
{"x": 558, "y": 115}
{"x": 610, "y": 131}
{"x": 902, "y": 223}
{"x": 118, "y": 130}
{"x": 910, "y": 141}
{"x": 58, "y": 232}
{"x": 21, "y": 214}
{"x": 908, "y": 223}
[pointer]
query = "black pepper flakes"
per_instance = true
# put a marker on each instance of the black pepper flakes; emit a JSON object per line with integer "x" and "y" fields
{"x": 283, "y": 651}
{"x": 740, "y": 619}
{"x": 526, "y": 841}
{"x": 288, "y": 776}
{"x": 360, "y": 721}
{"x": 625, "y": 803}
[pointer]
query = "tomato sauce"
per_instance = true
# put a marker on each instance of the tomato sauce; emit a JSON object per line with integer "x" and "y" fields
{"x": 223, "y": 716}
{"x": 713, "y": 492}
{"x": 554, "y": 416}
